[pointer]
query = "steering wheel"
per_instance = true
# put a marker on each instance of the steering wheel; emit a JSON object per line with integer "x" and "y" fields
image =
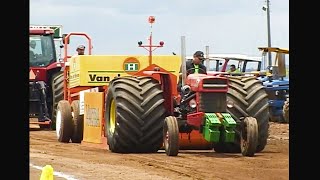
{"x": 189, "y": 70}
{"x": 235, "y": 73}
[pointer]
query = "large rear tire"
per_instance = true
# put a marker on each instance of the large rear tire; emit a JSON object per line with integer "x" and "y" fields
{"x": 64, "y": 124}
{"x": 171, "y": 136}
{"x": 77, "y": 120}
{"x": 258, "y": 108}
{"x": 134, "y": 115}
{"x": 57, "y": 95}
{"x": 250, "y": 99}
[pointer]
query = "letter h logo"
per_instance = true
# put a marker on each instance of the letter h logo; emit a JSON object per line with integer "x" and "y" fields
{"x": 131, "y": 67}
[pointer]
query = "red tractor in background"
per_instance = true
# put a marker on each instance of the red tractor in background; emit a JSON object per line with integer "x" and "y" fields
{"x": 45, "y": 76}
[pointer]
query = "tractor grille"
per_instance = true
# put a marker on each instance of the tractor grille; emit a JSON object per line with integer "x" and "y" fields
{"x": 213, "y": 102}
{"x": 215, "y": 83}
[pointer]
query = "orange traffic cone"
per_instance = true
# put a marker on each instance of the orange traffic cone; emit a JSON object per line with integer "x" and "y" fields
{"x": 47, "y": 173}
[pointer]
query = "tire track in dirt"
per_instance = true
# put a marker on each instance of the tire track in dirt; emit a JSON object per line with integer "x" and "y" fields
{"x": 207, "y": 165}
{"x": 87, "y": 169}
{"x": 89, "y": 163}
{"x": 181, "y": 169}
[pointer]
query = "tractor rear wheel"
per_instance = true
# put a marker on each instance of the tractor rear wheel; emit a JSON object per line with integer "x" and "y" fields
{"x": 64, "y": 126}
{"x": 57, "y": 95}
{"x": 249, "y": 136}
{"x": 134, "y": 115}
{"x": 250, "y": 99}
{"x": 171, "y": 136}
{"x": 77, "y": 120}
{"x": 285, "y": 111}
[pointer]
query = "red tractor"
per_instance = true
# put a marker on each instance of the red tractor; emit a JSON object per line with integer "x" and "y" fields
{"x": 143, "y": 104}
{"x": 45, "y": 76}
{"x": 245, "y": 91}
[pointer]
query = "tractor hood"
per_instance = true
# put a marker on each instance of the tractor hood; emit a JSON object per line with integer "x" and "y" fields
{"x": 278, "y": 84}
{"x": 42, "y": 72}
{"x": 207, "y": 83}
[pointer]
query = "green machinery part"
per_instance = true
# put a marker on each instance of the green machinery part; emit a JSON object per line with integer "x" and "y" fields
{"x": 215, "y": 130}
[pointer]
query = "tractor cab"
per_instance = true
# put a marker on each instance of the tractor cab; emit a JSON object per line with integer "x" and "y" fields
{"x": 220, "y": 64}
{"x": 43, "y": 61}
{"x": 243, "y": 63}
{"x": 42, "y": 50}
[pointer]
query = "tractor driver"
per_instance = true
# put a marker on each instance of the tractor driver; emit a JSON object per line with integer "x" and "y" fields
{"x": 233, "y": 69}
{"x": 32, "y": 45}
{"x": 80, "y": 49}
{"x": 196, "y": 65}
{"x": 193, "y": 67}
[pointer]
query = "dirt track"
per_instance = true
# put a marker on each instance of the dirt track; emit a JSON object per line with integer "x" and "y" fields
{"x": 88, "y": 163}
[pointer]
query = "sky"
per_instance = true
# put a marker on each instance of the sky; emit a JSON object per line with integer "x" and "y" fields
{"x": 116, "y": 26}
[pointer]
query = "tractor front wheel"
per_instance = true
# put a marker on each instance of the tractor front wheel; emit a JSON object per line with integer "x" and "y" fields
{"x": 249, "y": 136}
{"x": 64, "y": 126}
{"x": 171, "y": 136}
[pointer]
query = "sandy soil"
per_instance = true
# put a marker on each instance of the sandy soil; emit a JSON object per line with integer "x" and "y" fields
{"x": 95, "y": 164}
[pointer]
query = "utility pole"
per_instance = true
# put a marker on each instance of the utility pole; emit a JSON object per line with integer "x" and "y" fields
{"x": 269, "y": 33}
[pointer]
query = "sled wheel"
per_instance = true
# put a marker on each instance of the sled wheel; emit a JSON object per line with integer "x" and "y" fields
{"x": 64, "y": 127}
{"x": 171, "y": 136}
{"x": 77, "y": 121}
{"x": 249, "y": 136}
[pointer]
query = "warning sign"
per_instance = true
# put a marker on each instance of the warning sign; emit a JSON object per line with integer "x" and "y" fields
{"x": 32, "y": 76}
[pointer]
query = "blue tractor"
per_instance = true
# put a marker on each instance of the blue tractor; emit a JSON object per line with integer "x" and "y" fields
{"x": 276, "y": 83}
